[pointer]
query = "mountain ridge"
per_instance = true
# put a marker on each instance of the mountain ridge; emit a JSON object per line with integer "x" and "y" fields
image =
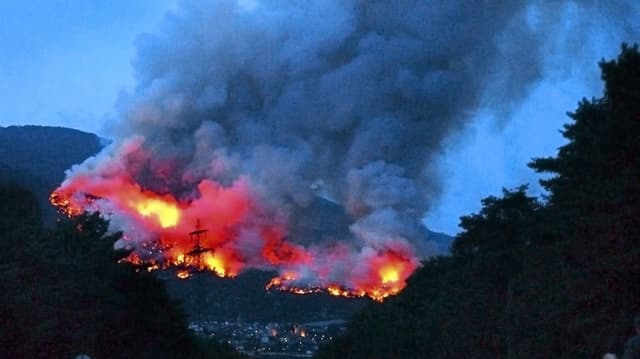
{"x": 36, "y": 157}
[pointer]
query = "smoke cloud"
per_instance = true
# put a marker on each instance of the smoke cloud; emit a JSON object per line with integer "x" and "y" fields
{"x": 355, "y": 95}
{"x": 349, "y": 100}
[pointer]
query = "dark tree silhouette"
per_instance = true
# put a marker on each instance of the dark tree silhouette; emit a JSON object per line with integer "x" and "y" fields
{"x": 63, "y": 292}
{"x": 559, "y": 279}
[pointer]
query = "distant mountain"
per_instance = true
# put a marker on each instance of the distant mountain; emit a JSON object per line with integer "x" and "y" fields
{"x": 324, "y": 221}
{"x": 36, "y": 157}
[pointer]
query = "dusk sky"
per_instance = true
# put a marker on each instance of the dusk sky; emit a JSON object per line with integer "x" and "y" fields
{"x": 64, "y": 63}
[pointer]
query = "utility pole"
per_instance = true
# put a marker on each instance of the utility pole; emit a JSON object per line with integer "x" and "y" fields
{"x": 198, "y": 238}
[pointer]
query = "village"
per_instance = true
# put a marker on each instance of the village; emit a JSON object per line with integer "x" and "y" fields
{"x": 272, "y": 340}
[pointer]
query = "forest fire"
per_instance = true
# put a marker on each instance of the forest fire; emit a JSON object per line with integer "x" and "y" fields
{"x": 167, "y": 214}
{"x": 233, "y": 232}
{"x": 386, "y": 276}
{"x": 164, "y": 220}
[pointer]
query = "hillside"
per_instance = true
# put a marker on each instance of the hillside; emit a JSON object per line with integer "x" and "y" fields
{"x": 36, "y": 157}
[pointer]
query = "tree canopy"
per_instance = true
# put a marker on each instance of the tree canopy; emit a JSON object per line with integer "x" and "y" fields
{"x": 534, "y": 278}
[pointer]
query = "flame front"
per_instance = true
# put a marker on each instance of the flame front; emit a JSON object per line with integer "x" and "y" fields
{"x": 385, "y": 274}
{"x": 389, "y": 274}
{"x": 236, "y": 234}
{"x": 164, "y": 221}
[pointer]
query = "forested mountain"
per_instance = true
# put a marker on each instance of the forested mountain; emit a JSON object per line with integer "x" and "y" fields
{"x": 37, "y": 157}
{"x": 557, "y": 277}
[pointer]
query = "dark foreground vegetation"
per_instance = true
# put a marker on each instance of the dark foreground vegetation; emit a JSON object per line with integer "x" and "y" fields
{"x": 62, "y": 293}
{"x": 557, "y": 277}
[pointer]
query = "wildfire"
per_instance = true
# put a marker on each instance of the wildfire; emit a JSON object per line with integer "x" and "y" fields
{"x": 388, "y": 272}
{"x": 337, "y": 291}
{"x": 217, "y": 264}
{"x": 167, "y": 214}
{"x": 389, "y": 275}
{"x": 64, "y": 205}
{"x": 231, "y": 235}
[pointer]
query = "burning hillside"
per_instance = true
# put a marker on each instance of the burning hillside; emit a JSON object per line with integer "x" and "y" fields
{"x": 244, "y": 112}
{"x": 240, "y": 233}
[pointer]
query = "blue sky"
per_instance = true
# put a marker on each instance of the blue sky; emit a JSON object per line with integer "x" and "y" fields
{"x": 63, "y": 63}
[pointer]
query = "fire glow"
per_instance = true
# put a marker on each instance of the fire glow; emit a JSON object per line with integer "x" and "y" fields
{"x": 233, "y": 234}
{"x": 167, "y": 214}
{"x": 387, "y": 274}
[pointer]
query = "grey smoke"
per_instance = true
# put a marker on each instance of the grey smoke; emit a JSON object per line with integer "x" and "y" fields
{"x": 348, "y": 99}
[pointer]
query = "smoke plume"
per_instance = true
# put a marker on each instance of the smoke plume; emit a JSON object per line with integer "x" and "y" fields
{"x": 246, "y": 112}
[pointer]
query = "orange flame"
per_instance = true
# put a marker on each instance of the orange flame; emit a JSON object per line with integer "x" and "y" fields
{"x": 225, "y": 212}
{"x": 387, "y": 276}
{"x": 183, "y": 274}
{"x": 167, "y": 214}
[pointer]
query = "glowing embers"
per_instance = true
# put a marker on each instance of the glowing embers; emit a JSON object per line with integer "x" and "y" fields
{"x": 158, "y": 227}
{"x": 216, "y": 263}
{"x": 377, "y": 276}
{"x": 339, "y": 292}
{"x": 335, "y": 290}
{"x": 279, "y": 284}
{"x": 64, "y": 204}
{"x": 183, "y": 274}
